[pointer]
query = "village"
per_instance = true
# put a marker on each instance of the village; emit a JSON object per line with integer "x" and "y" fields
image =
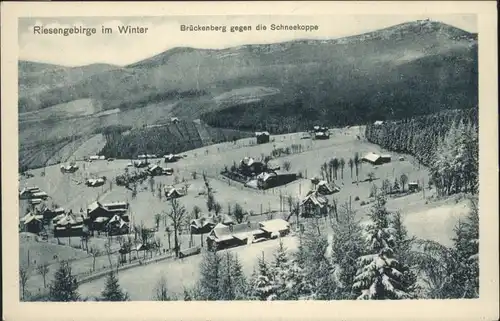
{"x": 117, "y": 214}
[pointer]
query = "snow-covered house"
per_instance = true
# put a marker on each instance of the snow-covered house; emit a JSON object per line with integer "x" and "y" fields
{"x": 202, "y": 225}
{"x": 172, "y": 192}
{"x": 372, "y": 158}
{"x": 325, "y": 188}
{"x": 262, "y": 137}
{"x": 275, "y": 227}
{"x": 314, "y": 204}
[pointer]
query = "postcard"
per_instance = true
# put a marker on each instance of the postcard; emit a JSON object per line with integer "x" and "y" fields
{"x": 250, "y": 160}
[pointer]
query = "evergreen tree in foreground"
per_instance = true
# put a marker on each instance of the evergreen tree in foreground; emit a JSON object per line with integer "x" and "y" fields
{"x": 379, "y": 276}
{"x": 347, "y": 246}
{"x": 210, "y": 273}
{"x": 64, "y": 288}
{"x": 112, "y": 290}
{"x": 262, "y": 286}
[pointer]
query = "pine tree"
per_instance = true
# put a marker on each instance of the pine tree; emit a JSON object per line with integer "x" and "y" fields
{"x": 262, "y": 286}
{"x": 466, "y": 244}
{"x": 210, "y": 273}
{"x": 379, "y": 276}
{"x": 347, "y": 246}
{"x": 318, "y": 270}
{"x": 402, "y": 253}
{"x": 112, "y": 290}
{"x": 64, "y": 287}
{"x": 239, "y": 279}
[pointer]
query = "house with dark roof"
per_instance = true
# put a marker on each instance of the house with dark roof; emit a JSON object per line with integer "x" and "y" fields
{"x": 262, "y": 137}
{"x": 202, "y": 225}
{"x": 325, "y": 188}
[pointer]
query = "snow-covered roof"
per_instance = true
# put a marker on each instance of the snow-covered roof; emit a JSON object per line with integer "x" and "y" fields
{"x": 262, "y": 133}
{"x": 265, "y": 176}
{"x": 101, "y": 219}
{"x": 93, "y": 206}
{"x": 371, "y": 157}
{"x": 315, "y": 199}
{"x": 275, "y": 225}
{"x": 378, "y": 122}
{"x": 385, "y": 156}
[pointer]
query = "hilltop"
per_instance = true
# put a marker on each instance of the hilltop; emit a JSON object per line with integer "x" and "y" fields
{"x": 410, "y": 69}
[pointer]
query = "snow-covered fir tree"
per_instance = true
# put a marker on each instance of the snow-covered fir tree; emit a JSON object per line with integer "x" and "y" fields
{"x": 210, "y": 272}
{"x": 232, "y": 282}
{"x": 262, "y": 286}
{"x": 347, "y": 246}
{"x": 379, "y": 276}
{"x": 64, "y": 288}
{"x": 466, "y": 245}
{"x": 318, "y": 269}
{"x": 112, "y": 290}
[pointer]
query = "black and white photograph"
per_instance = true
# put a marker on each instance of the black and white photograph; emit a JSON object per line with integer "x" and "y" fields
{"x": 248, "y": 157}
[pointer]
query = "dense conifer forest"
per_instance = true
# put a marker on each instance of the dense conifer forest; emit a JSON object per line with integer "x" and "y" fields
{"x": 446, "y": 142}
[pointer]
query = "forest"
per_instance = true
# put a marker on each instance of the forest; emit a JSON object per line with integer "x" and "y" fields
{"x": 162, "y": 140}
{"x": 446, "y": 142}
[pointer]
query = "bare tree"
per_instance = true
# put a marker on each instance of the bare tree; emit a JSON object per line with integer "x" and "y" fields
{"x": 217, "y": 208}
{"x": 94, "y": 251}
{"x": 357, "y": 163}
{"x": 342, "y": 165}
{"x": 43, "y": 269}
{"x": 403, "y": 179}
{"x": 176, "y": 215}
{"x": 24, "y": 275}
{"x": 157, "y": 218}
{"x": 351, "y": 165}
{"x": 107, "y": 247}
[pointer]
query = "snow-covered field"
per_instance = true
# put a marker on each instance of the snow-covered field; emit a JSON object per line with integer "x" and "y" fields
{"x": 431, "y": 221}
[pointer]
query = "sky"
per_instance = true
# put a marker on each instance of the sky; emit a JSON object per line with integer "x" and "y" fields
{"x": 164, "y": 33}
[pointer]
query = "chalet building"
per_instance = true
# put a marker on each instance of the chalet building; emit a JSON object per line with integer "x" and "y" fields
{"x": 413, "y": 187}
{"x": 249, "y": 166}
{"x": 117, "y": 226}
{"x": 385, "y": 158}
{"x": 174, "y": 120}
{"x": 275, "y": 228}
{"x": 378, "y": 123}
{"x": 49, "y": 214}
{"x": 98, "y": 213}
{"x": 95, "y": 182}
{"x": 70, "y": 225}
{"x": 32, "y": 223}
{"x": 27, "y": 193}
{"x": 69, "y": 169}
{"x": 262, "y": 137}
{"x": 155, "y": 170}
{"x": 314, "y": 204}
{"x": 172, "y": 192}
{"x": 274, "y": 178}
{"x": 202, "y": 225}
{"x": 322, "y": 135}
{"x": 223, "y": 236}
{"x": 35, "y": 201}
{"x": 372, "y": 158}
{"x": 141, "y": 164}
{"x": 171, "y": 158}
{"x": 324, "y": 188}
{"x": 93, "y": 157}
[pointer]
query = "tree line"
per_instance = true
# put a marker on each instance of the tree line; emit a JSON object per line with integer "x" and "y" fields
{"x": 446, "y": 142}
{"x": 163, "y": 139}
